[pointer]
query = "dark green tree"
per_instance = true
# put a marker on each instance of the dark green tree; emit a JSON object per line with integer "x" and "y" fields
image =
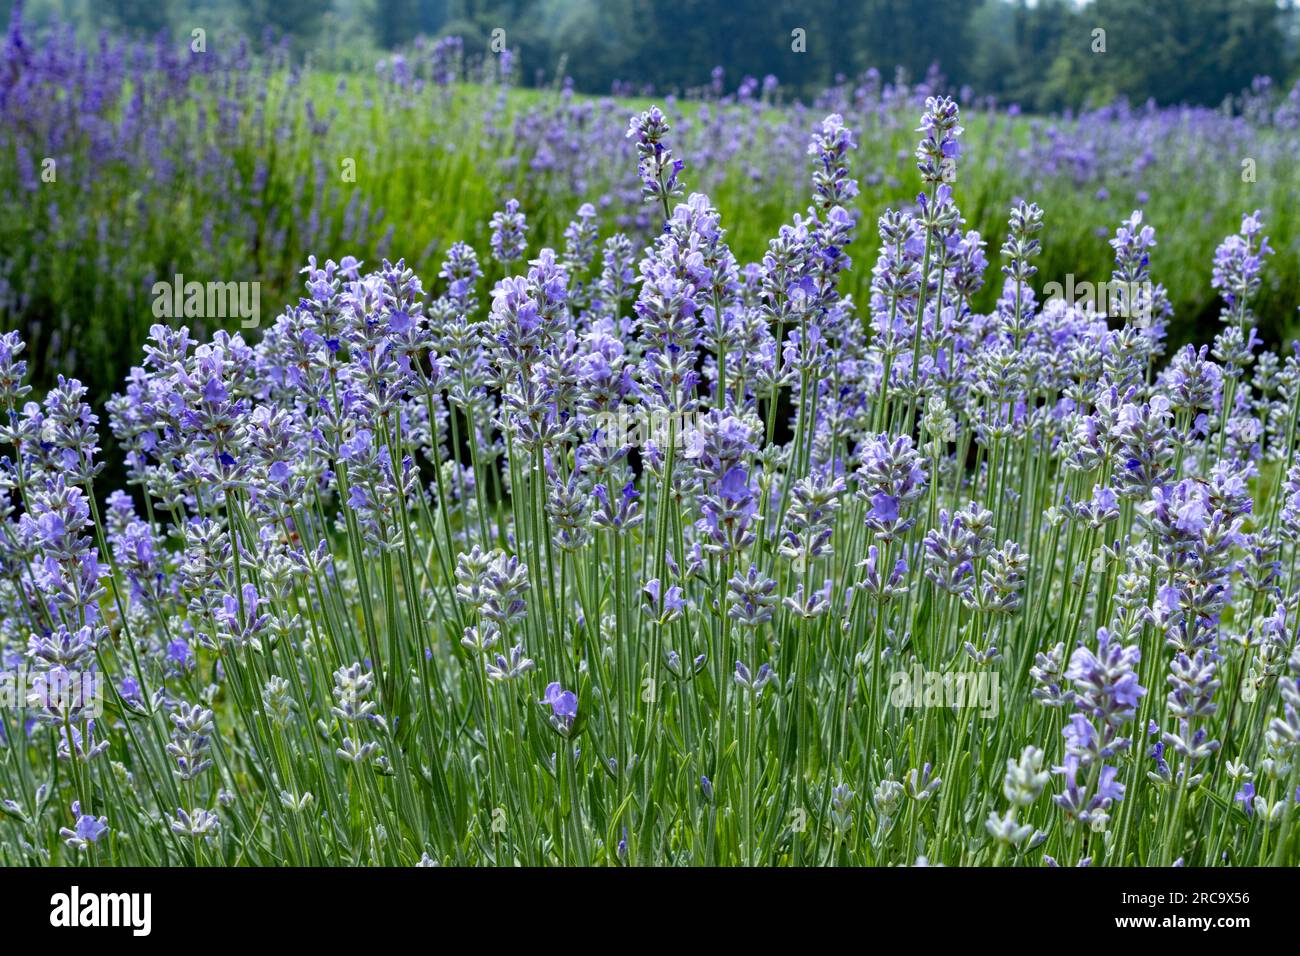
{"x": 397, "y": 22}
{"x": 140, "y": 17}
{"x": 298, "y": 19}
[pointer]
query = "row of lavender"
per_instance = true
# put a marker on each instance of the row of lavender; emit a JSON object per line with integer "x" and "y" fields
{"x": 125, "y": 164}
{"x": 883, "y": 581}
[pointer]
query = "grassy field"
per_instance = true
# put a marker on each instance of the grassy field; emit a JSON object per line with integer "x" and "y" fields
{"x": 237, "y": 171}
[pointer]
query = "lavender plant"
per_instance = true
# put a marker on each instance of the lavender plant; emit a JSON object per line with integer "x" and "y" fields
{"x": 641, "y": 554}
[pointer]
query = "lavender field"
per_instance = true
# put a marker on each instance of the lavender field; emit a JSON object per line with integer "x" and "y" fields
{"x": 124, "y": 164}
{"x": 719, "y": 479}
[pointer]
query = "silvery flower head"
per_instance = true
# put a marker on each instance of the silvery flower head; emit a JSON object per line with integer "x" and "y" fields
{"x": 809, "y": 521}
{"x": 196, "y": 823}
{"x": 13, "y": 371}
{"x": 296, "y": 803}
{"x": 1021, "y": 245}
{"x": 277, "y": 701}
{"x": 505, "y": 584}
{"x": 352, "y": 688}
{"x": 65, "y": 648}
{"x": 505, "y": 668}
{"x": 890, "y": 476}
{"x": 754, "y": 683}
{"x": 471, "y": 571}
{"x": 842, "y": 808}
{"x": 57, "y": 696}
{"x": 921, "y": 784}
{"x": 481, "y": 638}
{"x": 356, "y": 753}
{"x": 1051, "y": 689}
{"x": 191, "y": 738}
{"x": 886, "y": 797}
{"x": 752, "y": 598}
{"x": 509, "y": 233}
{"x": 938, "y": 151}
{"x": 1025, "y": 777}
{"x": 655, "y": 164}
{"x": 830, "y": 145}
{"x": 1004, "y": 829}
{"x": 1003, "y": 579}
{"x": 950, "y": 553}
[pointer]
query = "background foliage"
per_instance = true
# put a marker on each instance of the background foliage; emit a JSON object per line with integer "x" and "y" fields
{"x": 1038, "y": 55}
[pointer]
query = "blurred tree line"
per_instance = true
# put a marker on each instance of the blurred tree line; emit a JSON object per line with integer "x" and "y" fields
{"x": 1045, "y": 55}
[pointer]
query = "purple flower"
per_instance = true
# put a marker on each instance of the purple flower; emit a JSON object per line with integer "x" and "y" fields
{"x": 670, "y": 607}
{"x": 179, "y": 654}
{"x": 884, "y": 509}
{"x": 1246, "y": 797}
{"x": 1079, "y": 734}
{"x": 1238, "y": 264}
{"x": 1109, "y": 789}
{"x": 399, "y": 322}
{"x": 87, "y": 830}
{"x": 735, "y": 485}
{"x": 658, "y": 170}
{"x": 891, "y": 475}
{"x": 564, "y": 703}
{"x": 509, "y": 233}
{"x": 937, "y": 153}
